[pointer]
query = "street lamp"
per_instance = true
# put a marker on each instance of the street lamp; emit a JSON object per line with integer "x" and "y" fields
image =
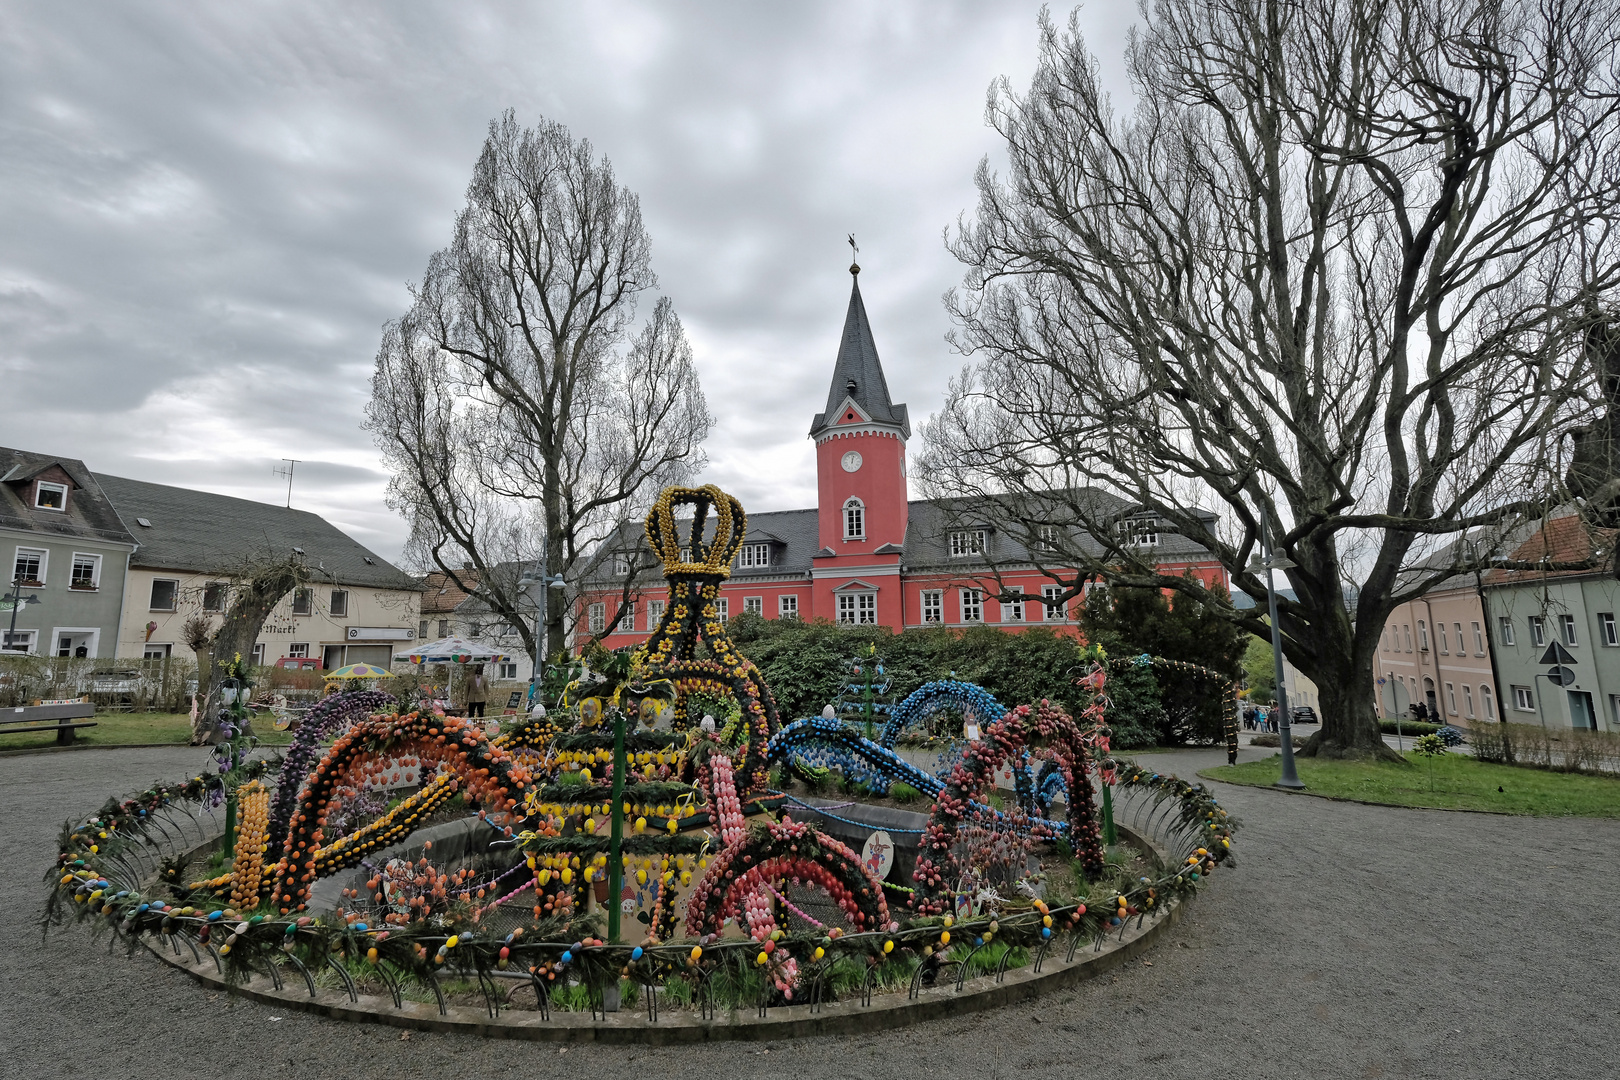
{"x": 16, "y": 599}
{"x": 1275, "y": 561}
{"x": 547, "y": 583}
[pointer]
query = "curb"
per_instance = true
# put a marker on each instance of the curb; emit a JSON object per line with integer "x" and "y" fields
{"x": 787, "y": 1022}
{"x": 26, "y": 751}
{"x": 1392, "y": 805}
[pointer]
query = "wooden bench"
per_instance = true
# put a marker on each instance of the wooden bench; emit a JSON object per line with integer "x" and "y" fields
{"x": 64, "y": 718}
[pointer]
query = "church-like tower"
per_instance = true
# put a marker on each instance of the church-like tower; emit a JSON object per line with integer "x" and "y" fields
{"x": 861, "y": 481}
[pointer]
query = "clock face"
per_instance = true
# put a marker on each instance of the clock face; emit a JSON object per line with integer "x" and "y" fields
{"x": 852, "y": 461}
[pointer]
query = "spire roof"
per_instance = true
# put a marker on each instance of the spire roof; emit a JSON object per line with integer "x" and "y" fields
{"x": 858, "y": 374}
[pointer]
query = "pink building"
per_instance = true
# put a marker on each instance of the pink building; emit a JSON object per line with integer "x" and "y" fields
{"x": 1434, "y": 651}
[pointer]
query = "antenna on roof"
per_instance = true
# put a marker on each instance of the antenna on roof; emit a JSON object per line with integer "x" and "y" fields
{"x": 292, "y": 463}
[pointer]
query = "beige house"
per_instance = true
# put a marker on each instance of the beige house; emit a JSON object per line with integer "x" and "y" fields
{"x": 1434, "y": 651}
{"x": 193, "y": 545}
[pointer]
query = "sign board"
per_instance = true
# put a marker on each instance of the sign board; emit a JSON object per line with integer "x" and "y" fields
{"x": 1561, "y": 676}
{"x": 1557, "y": 654}
{"x": 381, "y": 633}
{"x": 877, "y": 855}
{"x": 515, "y": 700}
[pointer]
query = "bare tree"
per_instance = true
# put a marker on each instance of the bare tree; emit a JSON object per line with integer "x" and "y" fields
{"x": 1334, "y": 269}
{"x": 516, "y": 401}
{"x": 258, "y": 589}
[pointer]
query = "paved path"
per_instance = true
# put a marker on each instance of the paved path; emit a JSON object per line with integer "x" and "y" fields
{"x": 1351, "y": 941}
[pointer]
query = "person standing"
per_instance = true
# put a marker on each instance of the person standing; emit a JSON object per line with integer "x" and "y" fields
{"x": 477, "y": 691}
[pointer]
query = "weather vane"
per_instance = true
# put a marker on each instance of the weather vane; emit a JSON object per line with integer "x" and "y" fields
{"x": 854, "y": 255}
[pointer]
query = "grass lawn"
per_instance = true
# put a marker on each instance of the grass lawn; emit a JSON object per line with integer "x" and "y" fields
{"x": 123, "y": 729}
{"x": 1460, "y": 783}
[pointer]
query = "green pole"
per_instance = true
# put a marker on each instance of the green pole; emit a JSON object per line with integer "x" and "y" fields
{"x": 616, "y": 839}
{"x": 1110, "y": 834}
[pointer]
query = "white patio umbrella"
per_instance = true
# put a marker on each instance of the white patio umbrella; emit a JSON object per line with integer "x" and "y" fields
{"x": 451, "y": 650}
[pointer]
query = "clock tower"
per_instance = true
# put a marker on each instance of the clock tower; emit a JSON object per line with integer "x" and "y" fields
{"x": 861, "y": 474}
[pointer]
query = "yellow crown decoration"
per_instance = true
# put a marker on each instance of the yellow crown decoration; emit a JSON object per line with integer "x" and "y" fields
{"x": 710, "y": 559}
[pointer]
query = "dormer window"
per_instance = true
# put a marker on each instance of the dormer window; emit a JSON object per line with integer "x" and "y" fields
{"x": 1138, "y": 532}
{"x": 965, "y": 542}
{"x": 754, "y": 555}
{"x": 854, "y": 520}
{"x": 49, "y": 496}
{"x": 621, "y": 565}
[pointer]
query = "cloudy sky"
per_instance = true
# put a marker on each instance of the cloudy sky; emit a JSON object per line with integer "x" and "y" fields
{"x": 207, "y": 211}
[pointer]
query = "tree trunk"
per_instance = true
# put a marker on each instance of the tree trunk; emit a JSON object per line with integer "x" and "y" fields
{"x": 251, "y": 605}
{"x": 1349, "y": 708}
{"x": 200, "y": 725}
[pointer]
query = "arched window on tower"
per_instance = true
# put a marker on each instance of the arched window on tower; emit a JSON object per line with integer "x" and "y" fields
{"x": 854, "y": 520}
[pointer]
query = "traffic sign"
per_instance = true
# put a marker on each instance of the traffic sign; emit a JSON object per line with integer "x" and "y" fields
{"x": 1561, "y": 676}
{"x": 1557, "y": 654}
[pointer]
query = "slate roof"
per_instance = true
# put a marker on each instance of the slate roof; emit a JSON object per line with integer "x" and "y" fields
{"x": 90, "y": 514}
{"x": 858, "y": 364}
{"x": 207, "y": 533}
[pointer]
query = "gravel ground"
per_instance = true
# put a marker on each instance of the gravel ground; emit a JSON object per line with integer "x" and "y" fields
{"x": 1350, "y": 941}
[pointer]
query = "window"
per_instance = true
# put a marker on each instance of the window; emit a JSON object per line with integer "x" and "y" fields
{"x": 933, "y": 606}
{"x": 754, "y": 605}
{"x": 339, "y": 605}
{"x": 1407, "y": 627}
{"x": 1451, "y": 699}
{"x": 1053, "y": 596}
{"x": 17, "y": 641}
{"x": 966, "y": 542}
{"x": 972, "y": 605}
{"x": 655, "y": 613}
{"x": 49, "y": 496}
{"x": 1611, "y": 635}
{"x": 1523, "y": 699}
{"x": 621, "y": 565}
{"x": 164, "y": 593}
{"x": 1423, "y": 636}
{"x": 722, "y": 608}
{"x": 854, "y": 520}
{"x": 298, "y": 650}
{"x": 1538, "y": 630}
{"x": 754, "y": 555}
{"x": 213, "y": 598}
{"x": 596, "y": 618}
{"x": 1138, "y": 532}
{"x": 258, "y": 654}
{"x": 86, "y": 572}
{"x": 1013, "y": 611}
{"x": 1046, "y": 538}
{"x": 303, "y": 601}
{"x": 29, "y": 569}
{"x": 444, "y": 628}
{"x": 506, "y": 671}
{"x": 1462, "y": 649}
{"x": 856, "y": 608}
{"x": 153, "y": 651}
{"x": 627, "y": 617}
{"x": 1505, "y": 626}
{"x": 421, "y": 629}
{"x": 1568, "y": 623}
{"x": 1445, "y": 642}
{"x": 787, "y": 606}
{"x": 1479, "y": 641}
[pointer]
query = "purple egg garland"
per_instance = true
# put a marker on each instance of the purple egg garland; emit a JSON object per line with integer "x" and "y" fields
{"x": 334, "y": 712}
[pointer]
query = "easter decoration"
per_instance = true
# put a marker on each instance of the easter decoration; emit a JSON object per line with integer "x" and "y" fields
{"x": 419, "y": 855}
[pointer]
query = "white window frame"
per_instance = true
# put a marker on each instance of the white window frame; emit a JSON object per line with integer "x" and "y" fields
{"x": 44, "y": 566}
{"x": 10, "y": 638}
{"x": 627, "y": 618}
{"x": 971, "y": 603}
{"x": 257, "y": 656}
{"x": 1451, "y": 700}
{"x": 93, "y": 649}
{"x": 41, "y": 486}
{"x": 1138, "y": 532}
{"x": 1487, "y": 701}
{"x": 308, "y": 596}
{"x": 754, "y": 605}
{"x": 95, "y": 570}
{"x": 1013, "y": 610}
{"x": 857, "y": 609}
{"x": 156, "y": 650}
{"x": 854, "y": 519}
{"x": 787, "y": 606}
{"x": 444, "y": 628}
{"x": 222, "y": 586}
{"x": 933, "y": 605}
{"x": 1566, "y": 623}
{"x": 1610, "y": 632}
{"x": 1479, "y": 640}
{"x": 1445, "y": 639}
{"x": 506, "y": 670}
{"x": 151, "y": 595}
{"x": 298, "y": 650}
{"x": 336, "y": 609}
{"x": 1046, "y": 537}
{"x": 1423, "y": 635}
{"x": 1052, "y": 604}
{"x": 655, "y": 614}
{"x": 1462, "y": 646}
{"x": 596, "y": 617}
{"x": 754, "y": 555}
{"x": 1538, "y": 630}
{"x": 722, "y": 609}
{"x": 965, "y": 543}
{"x": 1468, "y": 700}
{"x": 1524, "y": 699}
{"x": 621, "y": 565}
{"x": 1504, "y": 625}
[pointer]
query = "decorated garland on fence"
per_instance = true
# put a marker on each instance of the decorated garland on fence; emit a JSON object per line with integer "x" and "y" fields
{"x": 974, "y": 702}
{"x": 337, "y": 710}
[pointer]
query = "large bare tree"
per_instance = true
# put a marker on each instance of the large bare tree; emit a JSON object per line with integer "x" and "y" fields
{"x": 518, "y": 401}
{"x": 1334, "y": 268}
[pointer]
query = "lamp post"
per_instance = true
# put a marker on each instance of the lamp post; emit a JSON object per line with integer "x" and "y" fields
{"x": 1273, "y": 561}
{"x": 17, "y": 600}
{"x": 546, "y": 584}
